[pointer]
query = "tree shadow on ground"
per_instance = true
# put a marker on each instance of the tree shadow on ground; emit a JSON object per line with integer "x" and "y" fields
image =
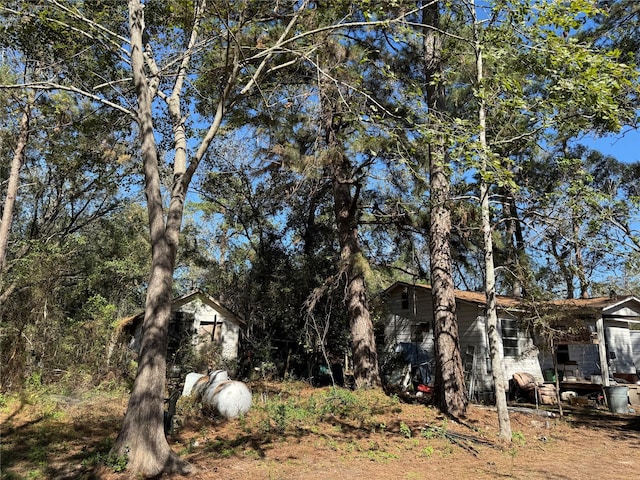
{"x": 618, "y": 426}
{"x": 51, "y": 444}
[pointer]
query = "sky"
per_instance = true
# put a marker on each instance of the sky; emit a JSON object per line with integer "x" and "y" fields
{"x": 624, "y": 146}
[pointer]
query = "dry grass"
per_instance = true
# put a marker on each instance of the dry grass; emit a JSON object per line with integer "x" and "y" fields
{"x": 294, "y": 431}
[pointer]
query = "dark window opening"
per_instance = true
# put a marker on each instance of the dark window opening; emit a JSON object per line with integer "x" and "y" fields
{"x": 419, "y": 331}
{"x": 562, "y": 354}
{"x": 510, "y": 342}
{"x": 405, "y": 298}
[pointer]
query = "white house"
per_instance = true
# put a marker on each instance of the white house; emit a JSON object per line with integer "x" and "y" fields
{"x": 409, "y": 319}
{"x": 608, "y": 347}
{"x": 592, "y": 336}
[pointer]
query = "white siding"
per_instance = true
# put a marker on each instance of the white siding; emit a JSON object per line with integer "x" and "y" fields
{"x": 472, "y": 331}
{"x": 526, "y": 360}
{"x": 587, "y": 357}
{"x": 634, "y": 335}
{"x": 205, "y": 317}
{"x": 619, "y": 342}
{"x": 625, "y": 310}
{"x": 229, "y": 339}
{"x": 402, "y": 325}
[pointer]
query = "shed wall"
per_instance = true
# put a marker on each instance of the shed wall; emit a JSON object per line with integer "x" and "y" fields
{"x": 209, "y": 322}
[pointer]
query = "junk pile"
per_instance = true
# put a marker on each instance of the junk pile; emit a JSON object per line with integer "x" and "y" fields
{"x": 525, "y": 385}
{"x": 218, "y": 394}
{"x": 407, "y": 367}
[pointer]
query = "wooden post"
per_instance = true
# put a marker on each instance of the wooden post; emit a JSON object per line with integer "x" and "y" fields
{"x": 554, "y": 348}
{"x": 602, "y": 351}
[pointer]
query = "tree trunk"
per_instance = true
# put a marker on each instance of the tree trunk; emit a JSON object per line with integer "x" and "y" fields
{"x": 577, "y": 249}
{"x": 365, "y": 357}
{"x": 516, "y": 262}
{"x": 14, "y": 180}
{"x": 450, "y": 391}
{"x": 495, "y": 340}
{"x": 353, "y": 264}
{"x": 561, "y": 260}
{"x": 142, "y": 436}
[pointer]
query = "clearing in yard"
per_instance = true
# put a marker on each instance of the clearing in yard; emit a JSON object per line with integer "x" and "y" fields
{"x": 294, "y": 431}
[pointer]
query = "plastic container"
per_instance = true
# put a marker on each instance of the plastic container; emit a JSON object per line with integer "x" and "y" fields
{"x": 617, "y": 398}
{"x": 550, "y": 376}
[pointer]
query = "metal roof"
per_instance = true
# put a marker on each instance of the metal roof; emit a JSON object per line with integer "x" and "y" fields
{"x": 602, "y": 304}
{"x": 132, "y": 320}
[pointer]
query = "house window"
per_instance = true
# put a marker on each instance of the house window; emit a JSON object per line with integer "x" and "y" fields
{"x": 405, "y": 298}
{"x": 419, "y": 331}
{"x": 562, "y": 354}
{"x": 510, "y": 337}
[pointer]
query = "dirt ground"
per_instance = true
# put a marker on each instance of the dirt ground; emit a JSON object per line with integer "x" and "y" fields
{"x": 69, "y": 438}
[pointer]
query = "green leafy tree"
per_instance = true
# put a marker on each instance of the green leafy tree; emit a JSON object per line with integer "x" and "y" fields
{"x": 160, "y": 67}
{"x": 584, "y": 208}
{"x": 259, "y": 272}
{"x": 568, "y": 86}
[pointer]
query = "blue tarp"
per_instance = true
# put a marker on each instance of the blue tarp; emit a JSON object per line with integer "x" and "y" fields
{"x": 414, "y": 354}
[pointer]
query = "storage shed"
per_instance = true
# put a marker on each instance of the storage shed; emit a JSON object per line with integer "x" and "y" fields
{"x": 197, "y": 320}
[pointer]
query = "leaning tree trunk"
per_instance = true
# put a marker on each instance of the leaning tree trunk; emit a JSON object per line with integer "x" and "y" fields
{"x": 563, "y": 264}
{"x": 14, "y": 181}
{"x": 353, "y": 264}
{"x": 142, "y": 436}
{"x": 450, "y": 391}
{"x": 516, "y": 260}
{"x": 577, "y": 249}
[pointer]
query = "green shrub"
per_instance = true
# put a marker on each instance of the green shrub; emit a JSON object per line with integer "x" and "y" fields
{"x": 288, "y": 410}
{"x": 405, "y": 430}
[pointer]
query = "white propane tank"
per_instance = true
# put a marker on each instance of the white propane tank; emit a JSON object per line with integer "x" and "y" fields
{"x": 227, "y": 398}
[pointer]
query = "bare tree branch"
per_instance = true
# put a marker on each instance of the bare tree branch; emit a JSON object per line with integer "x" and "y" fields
{"x": 68, "y": 88}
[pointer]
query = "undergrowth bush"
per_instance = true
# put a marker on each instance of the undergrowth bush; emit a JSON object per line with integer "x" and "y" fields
{"x": 286, "y": 410}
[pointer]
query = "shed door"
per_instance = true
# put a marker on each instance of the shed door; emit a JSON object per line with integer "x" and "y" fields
{"x": 619, "y": 348}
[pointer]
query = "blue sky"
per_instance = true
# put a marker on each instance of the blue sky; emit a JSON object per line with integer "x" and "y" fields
{"x": 624, "y": 146}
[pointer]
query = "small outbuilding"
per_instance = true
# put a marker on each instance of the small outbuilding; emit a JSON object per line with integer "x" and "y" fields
{"x": 198, "y": 321}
